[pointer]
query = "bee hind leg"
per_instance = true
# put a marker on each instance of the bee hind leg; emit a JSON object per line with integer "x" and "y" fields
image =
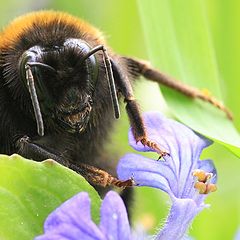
{"x": 142, "y": 68}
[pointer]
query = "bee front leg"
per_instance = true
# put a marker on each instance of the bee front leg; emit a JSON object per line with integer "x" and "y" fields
{"x": 138, "y": 128}
{"x": 33, "y": 150}
{"x": 133, "y": 110}
{"x": 96, "y": 176}
{"x": 100, "y": 177}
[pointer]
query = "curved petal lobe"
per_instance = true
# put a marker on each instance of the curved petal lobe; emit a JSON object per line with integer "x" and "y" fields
{"x": 114, "y": 220}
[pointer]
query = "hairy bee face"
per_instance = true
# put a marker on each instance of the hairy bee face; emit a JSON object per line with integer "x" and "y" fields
{"x": 64, "y": 82}
{"x": 74, "y": 111}
{"x": 52, "y": 67}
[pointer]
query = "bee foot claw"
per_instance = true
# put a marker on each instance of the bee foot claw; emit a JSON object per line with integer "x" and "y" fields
{"x": 155, "y": 147}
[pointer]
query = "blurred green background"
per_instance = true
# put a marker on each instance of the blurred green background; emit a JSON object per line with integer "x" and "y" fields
{"x": 125, "y": 24}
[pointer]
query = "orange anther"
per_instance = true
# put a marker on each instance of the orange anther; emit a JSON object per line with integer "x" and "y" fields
{"x": 211, "y": 188}
{"x": 200, "y": 175}
{"x": 201, "y": 187}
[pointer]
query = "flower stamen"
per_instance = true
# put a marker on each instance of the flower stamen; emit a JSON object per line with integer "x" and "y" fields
{"x": 205, "y": 188}
{"x": 201, "y": 175}
{"x": 202, "y": 183}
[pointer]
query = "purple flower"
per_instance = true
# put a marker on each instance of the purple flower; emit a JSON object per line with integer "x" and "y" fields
{"x": 72, "y": 220}
{"x": 182, "y": 175}
{"x": 237, "y": 235}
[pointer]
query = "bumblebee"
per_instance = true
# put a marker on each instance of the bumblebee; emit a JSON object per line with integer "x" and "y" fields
{"x": 59, "y": 90}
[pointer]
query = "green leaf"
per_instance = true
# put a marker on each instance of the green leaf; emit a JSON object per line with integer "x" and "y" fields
{"x": 179, "y": 43}
{"x": 29, "y": 191}
{"x": 224, "y": 21}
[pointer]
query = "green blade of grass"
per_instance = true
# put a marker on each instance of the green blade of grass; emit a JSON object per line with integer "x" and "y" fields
{"x": 179, "y": 43}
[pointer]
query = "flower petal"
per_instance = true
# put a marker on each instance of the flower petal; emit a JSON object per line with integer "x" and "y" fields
{"x": 69, "y": 215}
{"x": 114, "y": 220}
{"x": 175, "y": 174}
{"x": 67, "y": 231}
{"x": 147, "y": 172}
{"x": 237, "y": 235}
{"x": 181, "y": 215}
{"x": 208, "y": 166}
{"x": 182, "y": 143}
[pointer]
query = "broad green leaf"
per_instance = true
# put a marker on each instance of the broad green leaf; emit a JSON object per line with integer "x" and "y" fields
{"x": 224, "y": 21}
{"x": 179, "y": 43}
{"x": 29, "y": 191}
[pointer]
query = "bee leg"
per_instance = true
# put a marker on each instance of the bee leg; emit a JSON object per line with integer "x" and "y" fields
{"x": 96, "y": 176}
{"x": 30, "y": 149}
{"x": 138, "y": 128}
{"x": 133, "y": 111}
{"x": 99, "y": 177}
{"x": 142, "y": 68}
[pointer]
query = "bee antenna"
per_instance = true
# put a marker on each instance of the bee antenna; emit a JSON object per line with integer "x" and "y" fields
{"x": 31, "y": 64}
{"x": 110, "y": 78}
{"x": 111, "y": 83}
{"x": 34, "y": 98}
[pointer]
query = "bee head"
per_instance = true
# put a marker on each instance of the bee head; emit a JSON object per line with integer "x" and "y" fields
{"x": 61, "y": 81}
